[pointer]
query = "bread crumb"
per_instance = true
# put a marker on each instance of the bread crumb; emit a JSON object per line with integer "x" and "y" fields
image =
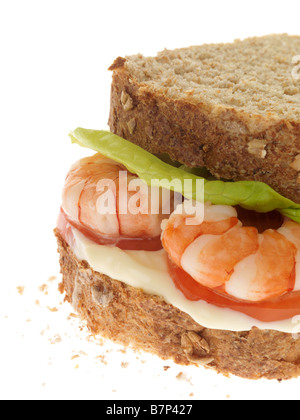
{"x": 167, "y": 368}
{"x": 46, "y": 329}
{"x": 20, "y": 290}
{"x": 43, "y": 288}
{"x": 52, "y": 278}
{"x": 75, "y": 357}
{"x": 182, "y": 377}
{"x": 52, "y": 309}
{"x": 56, "y": 339}
{"x": 73, "y": 315}
{"x": 102, "y": 359}
{"x": 124, "y": 364}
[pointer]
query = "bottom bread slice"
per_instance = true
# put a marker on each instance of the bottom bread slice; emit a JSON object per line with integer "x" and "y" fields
{"x": 146, "y": 322}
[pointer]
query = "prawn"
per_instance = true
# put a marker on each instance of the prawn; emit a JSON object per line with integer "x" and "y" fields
{"x": 222, "y": 254}
{"x": 92, "y": 199}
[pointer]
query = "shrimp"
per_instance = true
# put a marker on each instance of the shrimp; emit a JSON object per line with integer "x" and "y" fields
{"x": 95, "y": 191}
{"x": 291, "y": 230}
{"x": 178, "y": 235}
{"x": 220, "y": 253}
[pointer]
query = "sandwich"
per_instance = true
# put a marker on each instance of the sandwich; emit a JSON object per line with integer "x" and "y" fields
{"x": 180, "y": 234}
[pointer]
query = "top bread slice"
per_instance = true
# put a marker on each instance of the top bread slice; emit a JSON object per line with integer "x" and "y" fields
{"x": 233, "y": 108}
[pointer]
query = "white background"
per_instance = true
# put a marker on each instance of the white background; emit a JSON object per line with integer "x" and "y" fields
{"x": 54, "y": 57}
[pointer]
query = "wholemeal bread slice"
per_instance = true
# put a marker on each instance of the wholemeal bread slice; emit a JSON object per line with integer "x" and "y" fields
{"x": 233, "y": 108}
{"x": 146, "y": 322}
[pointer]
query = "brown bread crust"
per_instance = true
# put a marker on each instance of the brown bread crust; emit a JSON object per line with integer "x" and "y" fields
{"x": 232, "y": 144}
{"x": 146, "y": 322}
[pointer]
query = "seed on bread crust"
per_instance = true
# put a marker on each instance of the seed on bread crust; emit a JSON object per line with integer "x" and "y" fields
{"x": 196, "y": 348}
{"x": 296, "y": 163}
{"x": 131, "y": 125}
{"x": 126, "y": 101}
{"x": 256, "y": 147}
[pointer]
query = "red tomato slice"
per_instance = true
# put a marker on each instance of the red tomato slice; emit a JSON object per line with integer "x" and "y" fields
{"x": 278, "y": 309}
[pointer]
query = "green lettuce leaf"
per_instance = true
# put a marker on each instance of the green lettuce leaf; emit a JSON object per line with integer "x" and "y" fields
{"x": 251, "y": 195}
